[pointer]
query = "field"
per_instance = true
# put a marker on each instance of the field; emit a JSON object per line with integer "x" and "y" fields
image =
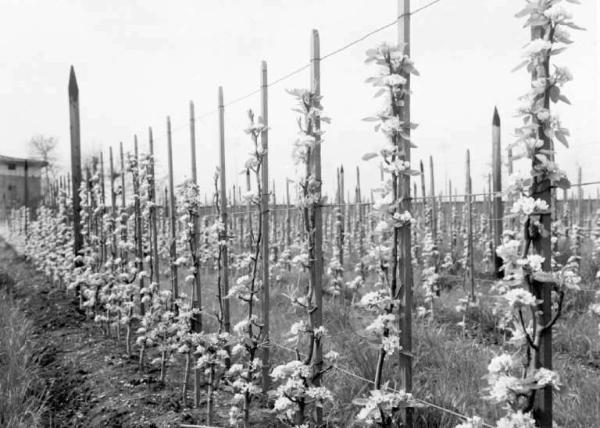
{"x": 131, "y": 301}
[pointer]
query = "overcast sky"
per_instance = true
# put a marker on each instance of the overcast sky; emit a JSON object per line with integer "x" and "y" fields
{"x": 139, "y": 61}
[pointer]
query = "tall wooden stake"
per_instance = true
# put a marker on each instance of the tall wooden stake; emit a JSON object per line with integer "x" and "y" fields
{"x": 498, "y": 209}
{"x": 469, "y": 201}
{"x": 542, "y": 409}
{"x": 113, "y": 202}
{"x": 75, "y": 160}
{"x": 264, "y": 206}
{"x": 172, "y": 215}
{"x": 223, "y": 201}
{"x": 317, "y": 264}
{"x": 138, "y": 220}
{"x": 580, "y": 210}
{"x": 197, "y": 289}
{"x": 434, "y": 215}
{"x": 406, "y": 274}
{"x": 153, "y": 213}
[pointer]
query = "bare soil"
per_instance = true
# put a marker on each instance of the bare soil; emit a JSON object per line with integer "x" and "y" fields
{"x": 89, "y": 380}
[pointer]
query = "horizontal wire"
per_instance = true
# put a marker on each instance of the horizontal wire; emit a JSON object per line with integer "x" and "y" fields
{"x": 322, "y": 58}
{"x": 352, "y": 374}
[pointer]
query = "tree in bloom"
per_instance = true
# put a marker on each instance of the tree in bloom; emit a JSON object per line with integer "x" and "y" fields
{"x": 527, "y": 291}
{"x": 245, "y": 375}
{"x": 394, "y": 69}
{"x": 300, "y": 387}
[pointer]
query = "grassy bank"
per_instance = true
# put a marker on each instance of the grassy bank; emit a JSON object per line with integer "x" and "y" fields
{"x": 21, "y": 399}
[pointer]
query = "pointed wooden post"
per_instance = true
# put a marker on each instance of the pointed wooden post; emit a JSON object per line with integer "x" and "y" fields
{"x": 498, "y": 209}
{"x": 172, "y": 216}
{"x": 224, "y": 217}
{"x": 264, "y": 206}
{"x": 75, "y": 161}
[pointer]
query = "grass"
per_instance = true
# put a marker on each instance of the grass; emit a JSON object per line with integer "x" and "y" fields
{"x": 21, "y": 403}
{"x": 448, "y": 367}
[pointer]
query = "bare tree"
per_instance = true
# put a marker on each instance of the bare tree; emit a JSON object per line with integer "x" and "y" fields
{"x": 44, "y": 148}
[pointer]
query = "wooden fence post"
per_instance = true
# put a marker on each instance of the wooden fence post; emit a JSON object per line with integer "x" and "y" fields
{"x": 75, "y": 160}
{"x": 498, "y": 209}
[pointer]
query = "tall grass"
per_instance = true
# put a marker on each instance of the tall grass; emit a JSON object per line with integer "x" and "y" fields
{"x": 21, "y": 402}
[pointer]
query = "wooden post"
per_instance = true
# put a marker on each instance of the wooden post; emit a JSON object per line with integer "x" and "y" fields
{"x": 317, "y": 263}
{"x": 288, "y": 215}
{"x": 172, "y": 216}
{"x": 359, "y": 222}
{"x": 542, "y": 409}
{"x": 405, "y": 271}
{"x": 103, "y": 210}
{"x": 264, "y": 206}
{"x": 113, "y": 203}
{"x": 197, "y": 289}
{"x": 580, "y": 210}
{"x": 223, "y": 201}
{"x": 424, "y": 195}
{"x": 434, "y": 216}
{"x": 138, "y": 219}
{"x": 153, "y": 213}
{"x": 249, "y": 209}
{"x": 469, "y": 202}
{"x": 451, "y": 208}
{"x": 26, "y": 196}
{"x": 340, "y": 218}
{"x": 274, "y": 224}
{"x": 123, "y": 203}
{"x": 498, "y": 209}
{"x": 75, "y": 160}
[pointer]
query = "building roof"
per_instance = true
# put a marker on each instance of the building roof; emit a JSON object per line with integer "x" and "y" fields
{"x": 21, "y": 161}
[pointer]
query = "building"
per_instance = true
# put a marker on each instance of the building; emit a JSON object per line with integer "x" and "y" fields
{"x": 20, "y": 183}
